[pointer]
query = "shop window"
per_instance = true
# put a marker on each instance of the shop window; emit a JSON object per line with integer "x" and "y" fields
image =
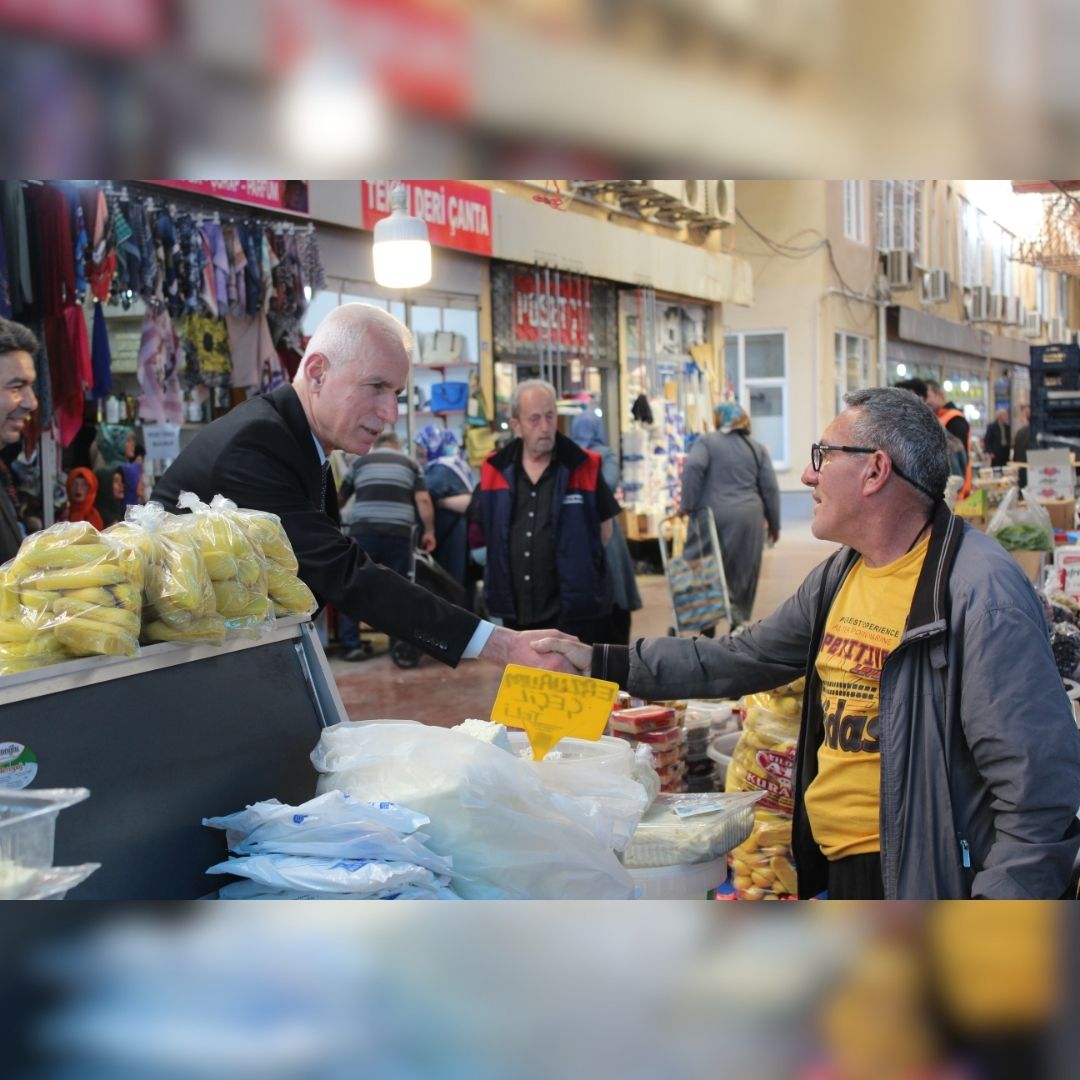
{"x": 852, "y": 364}
{"x": 756, "y": 366}
{"x": 972, "y": 245}
{"x": 855, "y": 211}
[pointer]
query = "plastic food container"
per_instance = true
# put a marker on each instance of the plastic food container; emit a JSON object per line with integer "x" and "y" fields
{"x": 688, "y": 882}
{"x": 641, "y": 720}
{"x": 691, "y": 828}
{"x": 713, "y": 716}
{"x": 662, "y": 759}
{"x": 27, "y": 832}
{"x": 568, "y": 754}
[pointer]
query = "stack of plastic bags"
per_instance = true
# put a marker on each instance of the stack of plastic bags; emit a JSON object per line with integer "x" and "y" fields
{"x": 333, "y": 847}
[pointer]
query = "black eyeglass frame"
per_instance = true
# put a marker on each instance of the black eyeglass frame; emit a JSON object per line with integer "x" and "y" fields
{"x": 819, "y": 450}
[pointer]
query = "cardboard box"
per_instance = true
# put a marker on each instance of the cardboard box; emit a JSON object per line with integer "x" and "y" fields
{"x": 1031, "y": 562}
{"x": 1062, "y": 512}
{"x": 1051, "y": 474}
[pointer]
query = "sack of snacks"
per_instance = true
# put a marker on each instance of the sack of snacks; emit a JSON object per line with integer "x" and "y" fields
{"x": 289, "y": 595}
{"x": 764, "y": 760}
{"x": 236, "y": 567}
{"x": 69, "y": 591}
{"x": 178, "y": 596}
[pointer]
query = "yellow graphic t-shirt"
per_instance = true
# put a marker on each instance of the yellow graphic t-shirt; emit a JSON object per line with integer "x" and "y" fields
{"x": 865, "y": 624}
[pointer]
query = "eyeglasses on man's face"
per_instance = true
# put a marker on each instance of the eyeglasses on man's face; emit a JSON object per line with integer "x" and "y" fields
{"x": 818, "y": 451}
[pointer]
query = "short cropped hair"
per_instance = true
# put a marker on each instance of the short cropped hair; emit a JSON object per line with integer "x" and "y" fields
{"x": 529, "y": 384}
{"x": 14, "y": 337}
{"x": 897, "y": 422}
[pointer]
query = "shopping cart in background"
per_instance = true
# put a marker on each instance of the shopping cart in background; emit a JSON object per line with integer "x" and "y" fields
{"x": 690, "y": 552}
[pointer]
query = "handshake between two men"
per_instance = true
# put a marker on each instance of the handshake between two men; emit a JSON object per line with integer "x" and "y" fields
{"x": 549, "y": 649}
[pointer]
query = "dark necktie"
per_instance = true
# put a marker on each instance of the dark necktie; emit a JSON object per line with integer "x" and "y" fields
{"x": 322, "y": 490}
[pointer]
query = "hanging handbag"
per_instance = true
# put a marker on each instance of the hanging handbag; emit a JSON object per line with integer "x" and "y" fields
{"x": 479, "y": 442}
{"x": 449, "y": 396}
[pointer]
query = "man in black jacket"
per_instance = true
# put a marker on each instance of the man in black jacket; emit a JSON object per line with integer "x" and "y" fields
{"x": 270, "y": 453}
{"x": 999, "y": 439}
{"x": 17, "y": 402}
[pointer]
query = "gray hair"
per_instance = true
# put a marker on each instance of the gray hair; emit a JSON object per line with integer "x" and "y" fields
{"x": 529, "y": 384}
{"x": 904, "y": 426}
{"x": 345, "y": 332}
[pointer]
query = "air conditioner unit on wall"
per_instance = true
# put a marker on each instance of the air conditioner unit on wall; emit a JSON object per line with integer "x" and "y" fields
{"x": 1012, "y": 311}
{"x": 1056, "y": 330}
{"x": 977, "y": 303}
{"x": 1032, "y": 324}
{"x": 997, "y": 307}
{"x": 720, "y": 201}
{"x": 900, "y": 269}
{"x": 935, "y": 286}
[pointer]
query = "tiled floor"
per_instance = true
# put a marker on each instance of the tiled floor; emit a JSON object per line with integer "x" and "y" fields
{"x": 444, "y": 696}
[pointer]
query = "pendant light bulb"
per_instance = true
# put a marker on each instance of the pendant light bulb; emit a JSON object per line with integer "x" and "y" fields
{"x": 401, "y": 251}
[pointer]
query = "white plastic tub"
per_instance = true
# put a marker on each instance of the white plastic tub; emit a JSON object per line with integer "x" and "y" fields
{"x": 686, "y": 882}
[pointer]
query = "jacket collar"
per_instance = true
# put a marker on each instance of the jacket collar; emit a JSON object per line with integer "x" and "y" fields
{"x": 286, "y": 403}
{"x": 567, "y": 453}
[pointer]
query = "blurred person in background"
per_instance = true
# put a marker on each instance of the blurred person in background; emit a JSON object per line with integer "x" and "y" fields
{"x": 134, "y": 487}
{"x": 450, "y": 484}
{"x": 82, "y": 489}
{"x": 587, "y": 430}
{"x": 731, "y": 474}
{"x": 388, "y": 493}
{"x": 954, "y": 422}
{"x": 547, "y": 517}
{"x": 18, "y": 346}
{"x": 938, "y": 756}
{"x": 1022, "y": 443}
{"x": 998, "y": 439}
{"x": 110, "y": 495}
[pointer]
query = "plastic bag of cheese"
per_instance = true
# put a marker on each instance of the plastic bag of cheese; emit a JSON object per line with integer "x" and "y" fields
{"x": 510, "y": 836}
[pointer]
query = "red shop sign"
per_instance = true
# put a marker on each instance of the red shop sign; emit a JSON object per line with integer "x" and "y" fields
{"x": 458, "y": 214}
{"x": 538, "y": 307}
{"x": 289, "y": 195}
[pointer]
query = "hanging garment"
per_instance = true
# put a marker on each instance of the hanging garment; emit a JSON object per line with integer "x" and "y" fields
{"x": 216, "y": 274}
{"x": 253, "y": 287}
{"x": 54, "y": 250}
{"x": 101, "y": 355}
{"x": 167, "y": 252}
{"x": 17, "y": 246}
{"x": 128, "y": 257}
{"x": 235, "y": 289}
{"x": 311, "y": 267}
{"x": 5, "y": 284}
{"x": 209, "y": 338}
{"x": 254, "y": 359}
{"x": 159, "y": 361}
{"x": 70, "y": 369}
{"x": 102, "y": 252}
{"x": 80, "y": 244}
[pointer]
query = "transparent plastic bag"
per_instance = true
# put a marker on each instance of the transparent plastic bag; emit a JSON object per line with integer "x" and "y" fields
{"x": 178, "y": 597}
{"x": 1022, "y": 528}
{"x": 236, "y": 567}
{"x": 764, "y": 760}
{"x": 288, "y": 594}
{"x": 509, "y": 835}
{"x": 69, "y": 591}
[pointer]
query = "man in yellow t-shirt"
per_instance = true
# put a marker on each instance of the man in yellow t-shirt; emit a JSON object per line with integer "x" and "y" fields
{"x": 864, "y": 625}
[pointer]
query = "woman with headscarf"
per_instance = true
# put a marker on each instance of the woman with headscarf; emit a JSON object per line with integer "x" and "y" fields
{"x": 588, "y": 432}
{"x": 450, "y": 484}
{"x": 732, "y": 475}
{"x": 110, "y": 496}
{"x": 82, "y": 489}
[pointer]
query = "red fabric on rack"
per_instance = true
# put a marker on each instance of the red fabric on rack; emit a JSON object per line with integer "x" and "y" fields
{"x": 70, "y": 369}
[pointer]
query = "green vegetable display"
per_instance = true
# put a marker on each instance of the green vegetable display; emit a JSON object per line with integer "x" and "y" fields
{"x": 1025, "y": 537}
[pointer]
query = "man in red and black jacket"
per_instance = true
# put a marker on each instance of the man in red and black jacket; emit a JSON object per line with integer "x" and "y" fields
{"x": 547, "y": 515}
{"x": 954, "y": 422}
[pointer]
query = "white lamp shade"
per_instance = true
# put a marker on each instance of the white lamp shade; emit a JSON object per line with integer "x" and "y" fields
{"x": 402, "y": 264}
{"x": 401, "y": 252}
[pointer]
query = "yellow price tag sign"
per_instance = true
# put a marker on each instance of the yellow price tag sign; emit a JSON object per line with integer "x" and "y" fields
{"x": 551, "y": 706}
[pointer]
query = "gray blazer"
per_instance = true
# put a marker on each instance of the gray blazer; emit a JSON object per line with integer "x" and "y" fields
{"x": 980, "y": 754}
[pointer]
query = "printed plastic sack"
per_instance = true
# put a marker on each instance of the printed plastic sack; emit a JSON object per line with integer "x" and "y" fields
{"x": 334, "y": 825}
{"x": 69, "y": 591}
{"x": 764, "y": 760}
{"x": 1022, "y": 528}
{"x": 289, "y": 595}
{"x": 236, "y": 567}
{"x": 178, "y": 597}
{"x": 509, "y": 836}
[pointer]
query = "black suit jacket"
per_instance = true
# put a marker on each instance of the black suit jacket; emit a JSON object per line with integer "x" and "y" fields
{"x": 10, "y": 534}
{"x": 998, "y": 442}
{"x": 262, "y": 456}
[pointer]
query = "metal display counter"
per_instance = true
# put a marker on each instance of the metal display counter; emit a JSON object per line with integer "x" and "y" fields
{"x": 179, "y": 733}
